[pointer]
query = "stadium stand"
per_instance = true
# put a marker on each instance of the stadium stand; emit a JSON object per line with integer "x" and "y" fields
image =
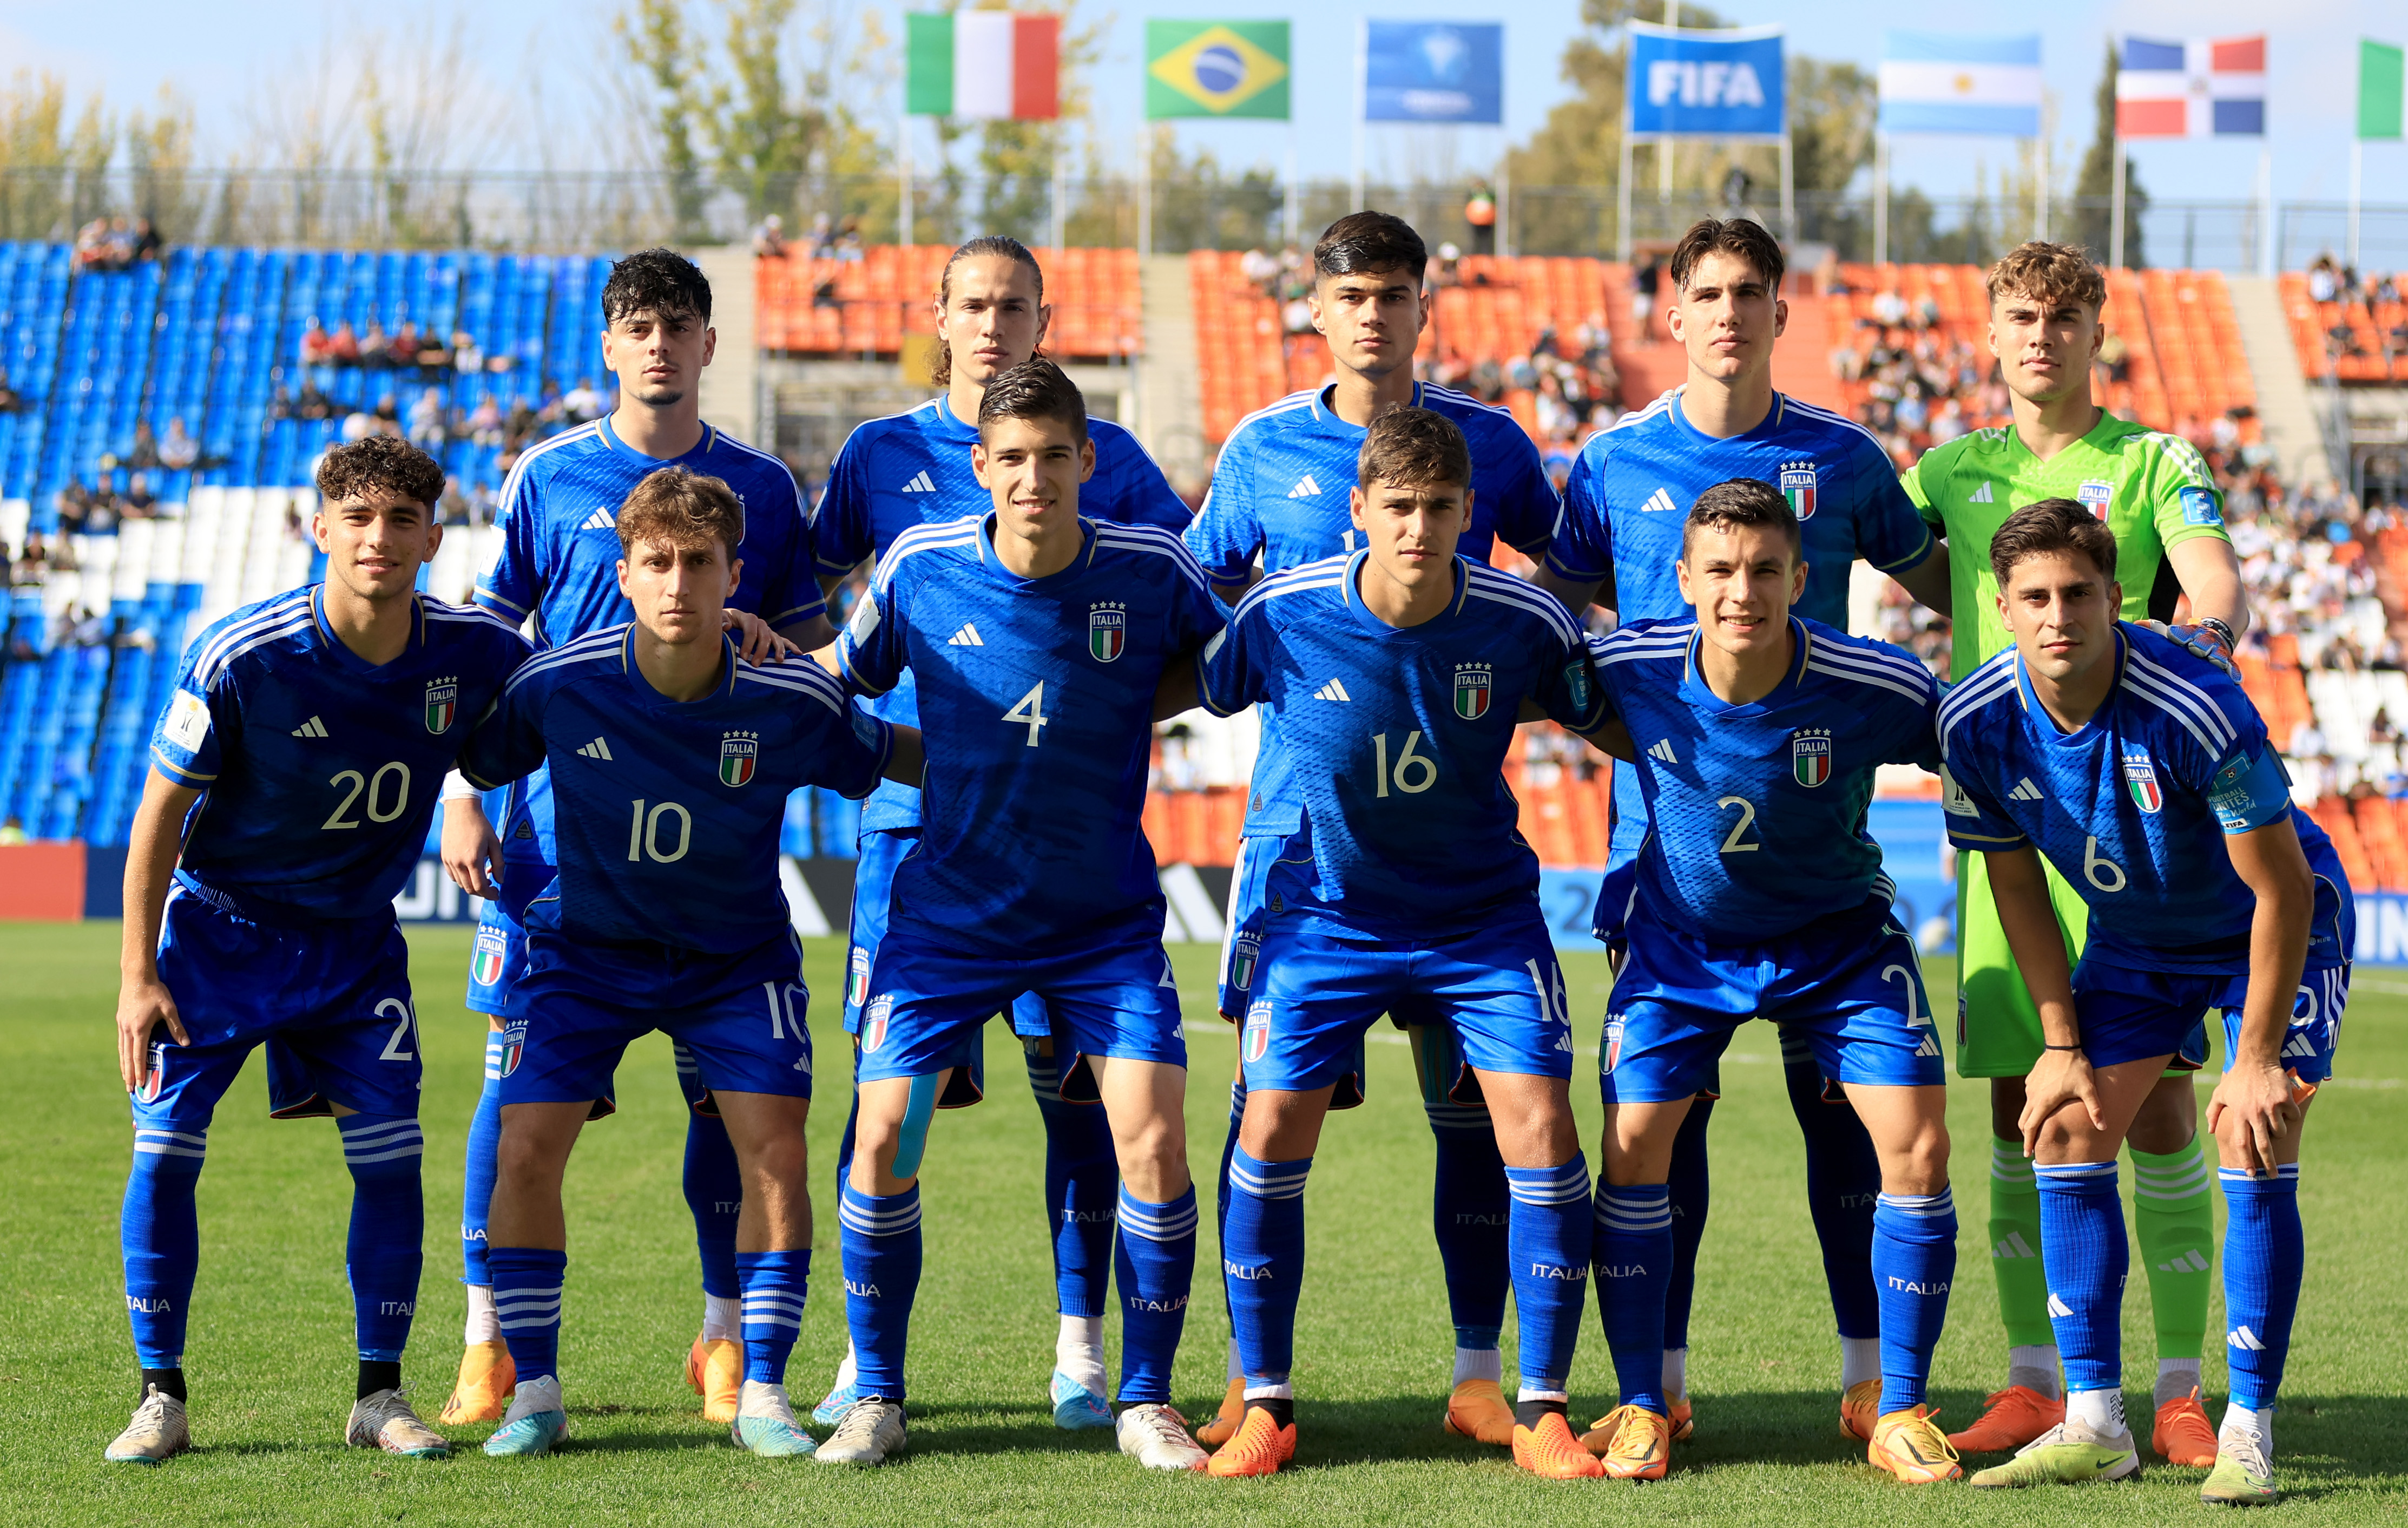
{"x": 832, "y": 305}
{"x": 2350, "y": 329}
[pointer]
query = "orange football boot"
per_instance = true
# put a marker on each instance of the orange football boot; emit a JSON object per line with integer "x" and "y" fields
{"x": 1683, "y": 1420}
{"x": 715, "y": 1369}
{"x": 1225, "y": 1422}
{"x": 1477, "y": 1410}
{"x": 1909, "y": 1445}
{"x": 1260, "y": 1447}
{"x": 482, "y": 1391}
{"x": 1634, "y": 1443}
{"x": 1551, "y": 1452}
{"x": 2183, "y": 1434}
{"x": 1860, "y": 1409}
{"x": 2010, "y": 1419}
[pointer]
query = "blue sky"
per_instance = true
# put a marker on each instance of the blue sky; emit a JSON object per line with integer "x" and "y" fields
{"x": 2313, "y": 49}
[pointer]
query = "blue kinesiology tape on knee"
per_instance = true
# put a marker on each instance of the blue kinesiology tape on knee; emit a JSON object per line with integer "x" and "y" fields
{"x": 914, "y": 1142}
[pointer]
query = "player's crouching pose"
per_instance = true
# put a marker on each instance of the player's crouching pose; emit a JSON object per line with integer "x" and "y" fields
{"x": 2145, "y": 775}
{"x": 1395, "y": 675}
{"x": 293, "y": 776}
{"x": 1037, "y": 638}
{"x": 1757, "y": 735}
{"x": 670, "y": 761}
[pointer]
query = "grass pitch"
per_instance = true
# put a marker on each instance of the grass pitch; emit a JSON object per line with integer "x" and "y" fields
{"x": 271, "y": 1368}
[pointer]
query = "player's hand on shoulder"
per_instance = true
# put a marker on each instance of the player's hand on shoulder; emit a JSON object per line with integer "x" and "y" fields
{"x": 143, "y": 1006}
{"x": 755, "y": 641}
{"x": 2201, "y": 640}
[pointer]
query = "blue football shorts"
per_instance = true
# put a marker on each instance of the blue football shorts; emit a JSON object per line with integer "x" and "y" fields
{"x": 331, "y": 1001}
{"x": 1608, "y": 918}
{"x": 499, "y": 953}
{"x": 2127, "y": 1012}
{"x": 741, "y": 1018}
{"x": 1850, "y": 982}
{"x": 1110, "y": 994}
{"x": 873, "y": 894}
{"x": 1317, "y": 992}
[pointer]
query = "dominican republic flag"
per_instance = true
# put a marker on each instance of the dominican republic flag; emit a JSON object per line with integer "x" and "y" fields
{"x": 1942, "y": 83}
{"x": 991, "y": 63}
{"x": 2194, "y": 89}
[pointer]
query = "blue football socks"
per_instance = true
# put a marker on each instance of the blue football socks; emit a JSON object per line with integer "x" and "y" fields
{"x": 1082, "y": 1179}
{"x": 1471, "y": 1211}
{"x": 2084, "y": 1249}
{"x": 477, "y": 1185}
{"x": 1633, "y": 1258}
{"x": 1262, "y": 1256}
{"x": 2265, "y": 1253}
{"x": 1842, "y": 1180}
{"x": 385, "y": 1251}
{"x": 775, "y": 1285}
{"x": 160, "y": 1232}
{"x": 1550, "y": 1240}
{"x": 714, "y": 1191}
{"x": 879, "y": 1238}
{"x": 526, "y": 1293}
{"x": 1690, "y": 1186}
{"x": 1914, "y": 1263}
{"x": 1156, "y": 1263}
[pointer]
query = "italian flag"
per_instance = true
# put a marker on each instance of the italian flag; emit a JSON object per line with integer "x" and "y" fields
{"x": 993, "y": 63}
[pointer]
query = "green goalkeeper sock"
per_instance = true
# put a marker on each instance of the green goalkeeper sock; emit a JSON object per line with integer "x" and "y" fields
{"x": 2174, "y": 1219}
{"x": 2015, "y": 1247}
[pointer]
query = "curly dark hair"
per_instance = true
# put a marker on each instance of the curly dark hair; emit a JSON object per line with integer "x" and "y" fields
{"x": 659, "y": 282}
{"x": 381, "y": 462}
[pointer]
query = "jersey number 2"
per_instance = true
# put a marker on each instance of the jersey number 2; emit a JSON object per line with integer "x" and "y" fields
{"x": 1731, "y": 843}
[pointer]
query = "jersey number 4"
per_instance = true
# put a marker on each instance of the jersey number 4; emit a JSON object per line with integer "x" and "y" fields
{"x": 1029, "y": 712}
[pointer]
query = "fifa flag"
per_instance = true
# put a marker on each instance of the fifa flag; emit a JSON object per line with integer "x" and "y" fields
{"x": 1939, "y": 82}
{"x": 1434, "y": 71}
{"x": 1216, "y": 69}
{"x": 2379, "y": 74}
{"x": 2195, "y": 89}
{"x": 990, "y": 64}
{"x": 1705, "y": 84}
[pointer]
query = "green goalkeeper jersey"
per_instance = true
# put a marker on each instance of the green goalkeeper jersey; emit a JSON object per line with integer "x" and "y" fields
{"x": 2152, "y": 490}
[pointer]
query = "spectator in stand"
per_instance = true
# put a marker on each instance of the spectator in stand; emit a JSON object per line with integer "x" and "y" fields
{"x": 848, "y": 240}
{"x": 769, "y": 238}
{"x": 317, "y": 345}
{"x": 1261, "y": 270}
{"x": 401, "y": 352}
{"x": 467, "y": 357}
{"x": 74, "y": 504}
{"x": 581, "y": 403}
{"x": 92, "y": 248}
{"x": 138, "y": 502}
{"x": 12, "y": 832}
{"x": 426, "y": 421}
{"x": 178, "y": 450}
{"x": 1643, "y": 282}
{"x": 376, "y": 347}
{"x": 10, "y": 401}
{"x": 358, "y": 425}
{"x": 388, "y": 416}
{"x": 2324, "y": 279}
{"x": 343, "y": 346}
{"x": 32, "y": 562}
{"x": 143, "y": 454}
{"x": 1889, "y": 309}
{"x": 312, "y": 404}
{"x": 148, "y": 245}
{"x": 486, "y": 422}
{"x": 434, "y": 357}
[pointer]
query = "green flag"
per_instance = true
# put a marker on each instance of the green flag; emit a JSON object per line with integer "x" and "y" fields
{"x": 1216, "y": 69}
{"x": 2378, "y": 89}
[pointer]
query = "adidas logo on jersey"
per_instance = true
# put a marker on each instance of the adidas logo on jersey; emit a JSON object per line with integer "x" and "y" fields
{"x": 600, "y": 520}
{"x": 1332, "y": 691}
{"x": 2246, "y": 1340}
{"x": 597, "y": 749}
{"x": 1981, "y": 495}
{"x": 966, "y": 637}
{"x": 1660, "y": 502}
{"x": 313, "y": 728}
{"x": 2026, "y": 791}
{"x": 2192, "y": 1262}
{"x": 1305, "y": 487}
{"x": 1663, "y": 749}
{"x": 921, "y": 483}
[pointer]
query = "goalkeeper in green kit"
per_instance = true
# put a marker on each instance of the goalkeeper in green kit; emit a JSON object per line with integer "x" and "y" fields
{"x": 2155, "y": 492}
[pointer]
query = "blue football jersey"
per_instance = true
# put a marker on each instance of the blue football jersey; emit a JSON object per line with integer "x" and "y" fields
{"x": 559, "y": 558}
{"x": 2131, "y": 807}
{"x": 913, "y": 469}
{"x": 1039, "y": 700}
{"x": 320, "y": 770}
{"x": 1630, "y": 491}
{"x": 1279, "y": 487}
{"x": 1758, "y": 810}
{"x": 1394, "y": 739}
{"x": 668, "y": 811}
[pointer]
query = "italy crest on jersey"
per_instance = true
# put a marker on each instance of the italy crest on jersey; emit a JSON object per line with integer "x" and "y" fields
{"x": 2141, "y": 779}
{"x": 513, "y": 1048}
{"x": 1798, "y": 487}
{"x": 486, "y": 969}
{"x": 740, "y": 753}
{"x": 1107, "y": 631}
{"x": 1810, "y": 757}
{"x": 874, "y": 1021}
{"x": 1474, "y": 683}
{"x": 1258, "y": 1030}
{"x": 442, "y": 704}
{"x": 2096, "y": 496}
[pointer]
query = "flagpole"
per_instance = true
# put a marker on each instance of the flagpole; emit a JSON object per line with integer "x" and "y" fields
{"x": 1881, "y": 198}
{"x": 2040, "y": 187}
{"x": 2357, "y": 183}
{"x": 903, "y": 178}
{"x": 1362, "y": 73}
{"x": 1622, "y": 205}
{"x": 2115, "y": 212}
{"x": 2266, "y": 208}
{"x": 1788, "y": 191}
{"x": 1290, "y": 213}
{"x": 1505, "y": 199}
{"x": 1145, "y": 190}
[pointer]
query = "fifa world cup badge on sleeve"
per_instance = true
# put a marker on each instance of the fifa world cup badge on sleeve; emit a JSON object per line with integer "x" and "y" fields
{"x": 1474, "y": 683}
{"x": 1798, "y": 480}
{"x": 2141, "y": 779}
{"x": 2096, "y": 496}
{"x": 873, "y": 1022}
{"x": 188, "y": 720}
{"x": 488, "y": 963}
{"x": 740, "y": 753}
{"x": 2199, "y": 508}
{"x": 1258, "y": 1030}
{"x": 513, "y": 1048}
{"x": 1810, "y": 755}
{"x": 442, "y": 704}
{"x": 1107, "y": 631}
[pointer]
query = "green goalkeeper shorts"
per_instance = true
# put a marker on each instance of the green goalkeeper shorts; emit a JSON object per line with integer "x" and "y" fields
{"x": 1998, "y": 1027}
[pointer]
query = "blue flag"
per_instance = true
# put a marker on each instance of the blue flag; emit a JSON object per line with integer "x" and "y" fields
{"x": 1706, "y": 84}
{"x": 1434, "y": 71}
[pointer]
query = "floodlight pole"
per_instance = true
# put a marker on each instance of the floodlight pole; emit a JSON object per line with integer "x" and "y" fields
{"x": 903, "y": 182}
{"x": 1881, "y": 198}
{"x": 2115, "y": 211}
{"x": 2357, "y": 185}
{"x": 1362, "y": 100}
{"x": 2040, "y": 182}
{"x": 1622, "y": 204}
{"x": 1788, "y": 193}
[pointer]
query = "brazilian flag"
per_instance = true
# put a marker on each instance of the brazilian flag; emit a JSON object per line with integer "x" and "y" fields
{"x": 1216, "y": 69}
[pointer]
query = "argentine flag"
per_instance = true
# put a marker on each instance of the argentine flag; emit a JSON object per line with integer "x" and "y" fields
{"x": 1942, "y": 83}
